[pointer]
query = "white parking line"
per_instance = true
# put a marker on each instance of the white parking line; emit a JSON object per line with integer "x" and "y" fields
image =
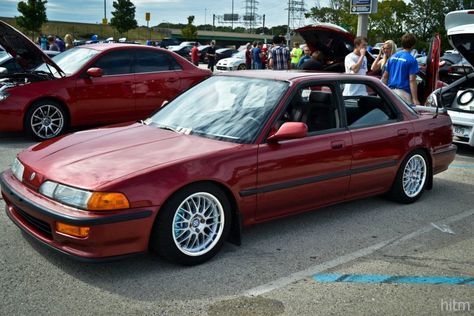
{"x": 279, "y": 283}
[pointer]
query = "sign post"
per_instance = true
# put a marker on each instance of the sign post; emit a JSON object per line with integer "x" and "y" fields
{"x": 147, "y": 18}
{"x": 363, "y": 8}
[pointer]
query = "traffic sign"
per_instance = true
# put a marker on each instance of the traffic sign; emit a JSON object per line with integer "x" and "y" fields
{"x": 363, "y": 6}
{"x": 147, "y": 16}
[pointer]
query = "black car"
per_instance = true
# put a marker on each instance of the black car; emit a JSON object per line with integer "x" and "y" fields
{"x": 222, "y": 53}
{"x": 182, "y": 51}
{"x": 164, "y": 43}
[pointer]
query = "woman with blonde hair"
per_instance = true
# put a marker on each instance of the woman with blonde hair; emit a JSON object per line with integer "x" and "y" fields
{"x": 69, "y": 41}
{"x": 386, "y": 51}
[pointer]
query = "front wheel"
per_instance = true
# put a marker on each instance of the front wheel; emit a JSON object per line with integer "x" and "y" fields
{"x": 192, "y": 225}
{"x": 411, "y": 178}
{"x": 242, "y": 67}
{"x": 45, "y": 120}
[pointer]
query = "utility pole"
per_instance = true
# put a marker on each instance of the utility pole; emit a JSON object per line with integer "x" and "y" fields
{"x": 232, "y": 23}
{"x": 288, "y": 31}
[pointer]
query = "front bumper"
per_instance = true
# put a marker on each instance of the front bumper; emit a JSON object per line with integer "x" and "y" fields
{"x": 112, "y": 234}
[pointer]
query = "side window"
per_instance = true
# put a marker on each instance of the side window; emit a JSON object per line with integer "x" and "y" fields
{"x": 366, "y": 110}
{"x": 115, "y": 63}
{"x": 314, "y": 105}
{"x": 153, "y": 61}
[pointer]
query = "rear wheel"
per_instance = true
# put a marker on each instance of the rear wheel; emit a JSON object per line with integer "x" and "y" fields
{"x": 411, "y": 178}
{"x": 45, "y": 119}
{"x": 192, "y": 225}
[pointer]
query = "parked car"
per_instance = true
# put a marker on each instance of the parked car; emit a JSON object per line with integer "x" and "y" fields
{"x": 222, "y": 53}
{"x": 458, "y": 97}
{"x": 164, "y": 43}
{"x": 11, "y": 65}
{"x": 187, "y": 43}
{"x": 336, "y": 43}
{"x": 447, "y": 73}
{"x": 236, "y": 62}
{"x": 182, "y": 51}
{"x": 87, "y": 85}
{"x": 237, "y": 149}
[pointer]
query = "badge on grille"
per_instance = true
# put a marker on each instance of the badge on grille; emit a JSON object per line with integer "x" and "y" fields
{"x": 32, "y": 176}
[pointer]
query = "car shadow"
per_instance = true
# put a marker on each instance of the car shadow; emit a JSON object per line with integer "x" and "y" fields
{"x": 269, "y": 250}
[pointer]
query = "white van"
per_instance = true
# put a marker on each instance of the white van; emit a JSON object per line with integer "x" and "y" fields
{"x": 458, "y": 97}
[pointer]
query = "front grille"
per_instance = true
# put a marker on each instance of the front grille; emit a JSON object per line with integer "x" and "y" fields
{"x": 221, "y": 68}
{"x": 42, "y": 227}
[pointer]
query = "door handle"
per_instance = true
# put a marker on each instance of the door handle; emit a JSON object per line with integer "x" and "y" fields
{"x": 337, "y": 144}
{"x": 402, "y": 132}
{"x": 171, "y": 79}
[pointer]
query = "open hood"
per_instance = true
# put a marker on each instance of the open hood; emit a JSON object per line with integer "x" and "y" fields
{"x": 27, "y": 53}
{"x": 329, "y": 38}
{"x": 432, "y": 67}
{"x": 460, "y": 28}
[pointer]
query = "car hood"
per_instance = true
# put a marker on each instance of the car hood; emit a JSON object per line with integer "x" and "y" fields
{"x": 460, "y": 30}
{"x": 329, "y": 38}
{"x": 93, "y": 158}
{"x": 27, "y": 53}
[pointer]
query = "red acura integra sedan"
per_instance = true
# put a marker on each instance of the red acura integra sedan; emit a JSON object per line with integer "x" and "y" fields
{"x": 254, "y": 146}
{"x": 87, "y": 85}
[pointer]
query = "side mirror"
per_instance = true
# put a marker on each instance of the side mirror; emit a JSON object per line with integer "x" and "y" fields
{"x": 289, "y": 130}
{"x": 94, "y": 72}
{"x": 3, "y": 71}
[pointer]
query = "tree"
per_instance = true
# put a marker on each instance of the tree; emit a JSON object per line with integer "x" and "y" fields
{"x": 388, "y": 21}
{"x": 33, "y": 15}
{"x": 336, "y": 13}
{"x": 123, "y": 16}
{"x": 189, "y": 32}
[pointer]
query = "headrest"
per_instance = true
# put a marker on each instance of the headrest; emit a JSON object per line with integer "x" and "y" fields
{"x": 320, "y": 97}
{"x": 369, "y": 102}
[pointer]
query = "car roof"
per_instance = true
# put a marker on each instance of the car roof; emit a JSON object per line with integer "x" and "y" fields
{"x": 107, "y": 46}
{"x": 295, "y": 75}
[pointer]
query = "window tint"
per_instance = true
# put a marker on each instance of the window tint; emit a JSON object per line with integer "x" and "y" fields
{"x": 366, "y": 110}
{"x": 152, "y": 61}
{"x": 115, "y": 63}
{"x": 314, "y": 105}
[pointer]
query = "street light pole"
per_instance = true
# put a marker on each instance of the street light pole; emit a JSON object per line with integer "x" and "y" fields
{"x": 105, "y": 11}
{"x": 205, "y": 18}
{"x": 232, "y": 18}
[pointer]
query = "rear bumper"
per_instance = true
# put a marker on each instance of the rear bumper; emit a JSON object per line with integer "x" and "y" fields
{"x": 112, "y": 235}
{"x": 443, "y": 157}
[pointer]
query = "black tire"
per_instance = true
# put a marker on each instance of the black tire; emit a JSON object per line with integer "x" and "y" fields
{"x": 171, "y": 221}
{"x": 242, "y": 67}
{"x": 46, "y": 119}
{"x": 409, "y": 183}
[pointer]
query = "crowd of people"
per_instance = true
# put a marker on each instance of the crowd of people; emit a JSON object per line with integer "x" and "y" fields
{"x": 55, "y": 43}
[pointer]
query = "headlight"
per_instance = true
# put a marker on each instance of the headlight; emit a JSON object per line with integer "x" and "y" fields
{"x": 18, "y": 169}
{"x": 87, "y": 200}
{"x": 432, "y": 100}
{"x": 3, "y": 96}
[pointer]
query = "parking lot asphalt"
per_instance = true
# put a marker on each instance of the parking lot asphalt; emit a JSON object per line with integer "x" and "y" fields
{"x": 370, "y": 256}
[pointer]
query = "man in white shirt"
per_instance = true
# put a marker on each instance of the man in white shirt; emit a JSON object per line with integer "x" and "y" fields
{"x": 356, "y": 63}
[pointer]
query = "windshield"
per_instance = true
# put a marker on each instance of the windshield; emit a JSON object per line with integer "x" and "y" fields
{"x": 70, "y": 61}
{"x": 226, "y": 108}
{"x": 240, "y": 54}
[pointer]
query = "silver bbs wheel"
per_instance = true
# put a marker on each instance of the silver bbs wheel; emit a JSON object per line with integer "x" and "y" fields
{"x": 414, "y": 175}
{"x": 198, "y": 224}
{"x": 47, "y": 121}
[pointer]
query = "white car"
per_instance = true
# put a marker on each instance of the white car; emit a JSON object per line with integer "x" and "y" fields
{"x": 460, "y": 94}
{"x": 236, "y": 62}
{"x": 458, "y": 97}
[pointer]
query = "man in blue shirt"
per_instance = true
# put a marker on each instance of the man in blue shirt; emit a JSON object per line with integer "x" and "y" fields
{"x": 256, "y": 56}
{"x": 400, "y": 74}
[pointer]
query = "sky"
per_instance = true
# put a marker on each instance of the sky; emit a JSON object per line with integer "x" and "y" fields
{"x": 173, "y": 11}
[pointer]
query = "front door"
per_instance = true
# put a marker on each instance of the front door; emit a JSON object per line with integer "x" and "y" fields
{"x": 302, "y": 174}
{"x": 109, "y": 98}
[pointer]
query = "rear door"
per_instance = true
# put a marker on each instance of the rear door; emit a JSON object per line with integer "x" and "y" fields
{"x": 156, "y": 80}
{"x": 380, "y": 138}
